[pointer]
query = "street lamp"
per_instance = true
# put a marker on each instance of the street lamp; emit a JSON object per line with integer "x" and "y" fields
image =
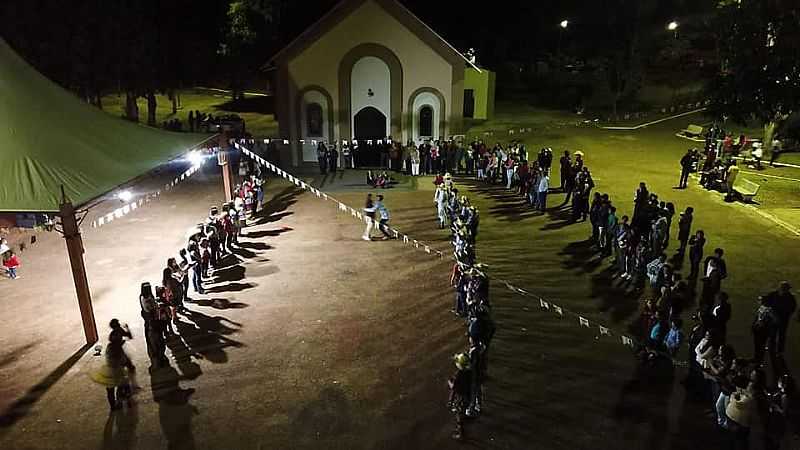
{"x": 672, "y": 26}
{"x": 562, "y": 26}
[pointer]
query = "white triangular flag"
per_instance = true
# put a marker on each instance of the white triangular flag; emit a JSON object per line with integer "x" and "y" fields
{"x": 558, "y": 310}
{"x": 101, "y": 221}
{"x": 427, "y": 249}
{"x": 405, "y": 239}
{"x": 583, "y": 322}
{"x": 627, "y": 341}
{"x": 604, "y": 331}
{"x": 544, "y": 304}
{"x": 342, "y": 206}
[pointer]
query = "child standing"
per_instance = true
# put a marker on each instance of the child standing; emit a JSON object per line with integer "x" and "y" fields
{"x": 11, "y": 263}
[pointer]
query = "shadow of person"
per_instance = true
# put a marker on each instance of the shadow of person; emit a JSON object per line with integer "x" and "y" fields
{"x": 220, "y": 303}
{"x": 205, "y": 338}
{"x": 230, "y": 287}
{"x": 182, "y": 355}
{"x": 175, "y": 413}
{"x": 120, "y": 430}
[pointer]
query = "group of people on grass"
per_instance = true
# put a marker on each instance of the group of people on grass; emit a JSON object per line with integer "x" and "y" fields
{"x": 737, "y": 388}
{"x": 195, "y": 264}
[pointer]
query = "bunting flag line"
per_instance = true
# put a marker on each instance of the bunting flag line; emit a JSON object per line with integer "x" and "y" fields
{"x": 129, "y": 207}
{"x": 408, "y": 240}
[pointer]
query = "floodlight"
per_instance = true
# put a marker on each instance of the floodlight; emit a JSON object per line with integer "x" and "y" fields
{"x": 125, "y": 196}
{"x": 564, "y": 23}
{"x": 195, "y": 158}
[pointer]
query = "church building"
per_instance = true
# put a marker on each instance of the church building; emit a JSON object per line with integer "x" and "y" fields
{"x": 372, "y": 70}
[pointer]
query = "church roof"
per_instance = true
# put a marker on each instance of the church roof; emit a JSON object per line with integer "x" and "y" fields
{"x": 394, "y": 8}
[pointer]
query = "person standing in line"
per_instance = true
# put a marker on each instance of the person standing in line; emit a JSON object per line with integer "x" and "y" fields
{"x": 322, "y": 158}
{"x": 566, "y": 170}
{"x": 542, "y": 189}
{"x": 383, "y": 211}
{"x": 509, "y": 166}
{"x": 764, "y": 328}
{"x": 333, "y": 158}
{"x": 460, "y": 386}
{"x": 153, "y": 335}
{"x": 684, "y": 229}
{"x": 720, "y": 263}
{"x": 696, "y": 244}
{"x": 369, "y": 218}
{"x": 196, "y": 266}
{"x": 784, "y": 305}
{"x": 440, "y": 199}
{"x": 686, "y": 167}
{"x": 414, "y": 158}
{"x": 347, "y": 155}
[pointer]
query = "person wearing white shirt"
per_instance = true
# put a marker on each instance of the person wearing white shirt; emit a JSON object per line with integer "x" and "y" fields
{"x": 543, "y": 188}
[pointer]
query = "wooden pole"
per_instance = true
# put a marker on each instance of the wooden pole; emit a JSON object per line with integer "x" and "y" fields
{"x": 75, "y": 250}
{"x": 224, "y": 162}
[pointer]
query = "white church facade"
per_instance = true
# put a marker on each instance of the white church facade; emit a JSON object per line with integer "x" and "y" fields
{"x": 367, "y": 70}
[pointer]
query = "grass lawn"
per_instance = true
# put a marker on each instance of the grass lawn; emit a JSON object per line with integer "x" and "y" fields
{"x": 556, "y": 385}
{"x": 209, "y": 102}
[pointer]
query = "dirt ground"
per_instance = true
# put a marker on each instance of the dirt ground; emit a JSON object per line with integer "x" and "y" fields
{"x": 312, "y": 338}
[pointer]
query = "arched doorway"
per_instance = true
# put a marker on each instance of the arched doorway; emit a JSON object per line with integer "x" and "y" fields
{"x": 426, "y": 121}
{"x": 369, "y": 124}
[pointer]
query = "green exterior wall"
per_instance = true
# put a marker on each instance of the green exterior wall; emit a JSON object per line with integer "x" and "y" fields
{"x": 483, "y": 84}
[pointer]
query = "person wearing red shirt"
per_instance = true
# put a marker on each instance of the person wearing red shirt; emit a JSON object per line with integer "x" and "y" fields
{"x": 11, "y": 264}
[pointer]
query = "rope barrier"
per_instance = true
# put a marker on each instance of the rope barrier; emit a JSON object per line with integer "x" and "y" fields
{"x": 545, "y": 305}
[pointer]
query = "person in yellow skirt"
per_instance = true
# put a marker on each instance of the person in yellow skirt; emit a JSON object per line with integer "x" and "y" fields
{"x": 117, "y": 371}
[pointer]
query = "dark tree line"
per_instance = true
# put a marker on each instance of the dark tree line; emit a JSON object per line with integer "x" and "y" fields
{"x": 141, "y": 48}
{"x": 136, "y": 48}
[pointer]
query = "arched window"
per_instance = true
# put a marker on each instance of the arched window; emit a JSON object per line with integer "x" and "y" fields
{"x": 426, "y": 121}
{"x": 314, "y": 119}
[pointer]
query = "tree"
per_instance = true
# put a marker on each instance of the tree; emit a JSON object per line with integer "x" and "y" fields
{"x": 759, "y": 73}
{"x": 246, "y": 26}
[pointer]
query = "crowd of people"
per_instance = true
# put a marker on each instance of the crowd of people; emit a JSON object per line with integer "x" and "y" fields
{"x": 192, "y": 268}
{"x": 738, "y": 388}
{"x": 471, "y": 303}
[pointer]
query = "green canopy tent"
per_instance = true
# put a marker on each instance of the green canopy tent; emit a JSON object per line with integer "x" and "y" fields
{"x": 49, "y": 138}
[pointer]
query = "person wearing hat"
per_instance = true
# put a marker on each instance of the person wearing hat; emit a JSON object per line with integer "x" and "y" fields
{"x": 784, "y": 304}
{"x": 460, "y": 391}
